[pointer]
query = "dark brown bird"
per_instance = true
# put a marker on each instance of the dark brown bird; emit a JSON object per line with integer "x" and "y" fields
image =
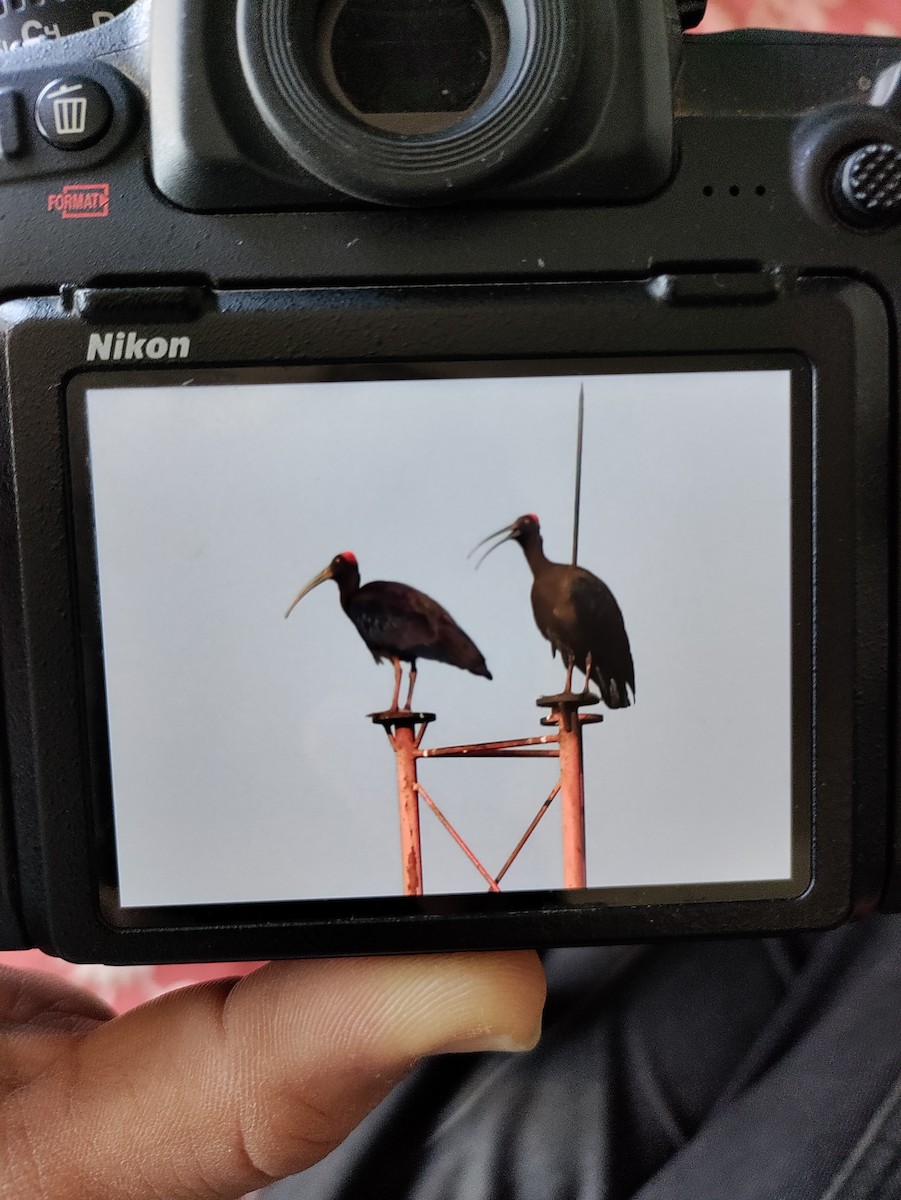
{"x": 577, "y": 613}
{"x": 398, "y": 622}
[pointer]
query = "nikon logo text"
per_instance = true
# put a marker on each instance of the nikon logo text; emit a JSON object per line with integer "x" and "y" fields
{"x": 126, "y": 346}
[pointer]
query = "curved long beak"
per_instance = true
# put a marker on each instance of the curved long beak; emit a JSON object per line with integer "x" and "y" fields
{"x": 320, "y": 578}
{"x": 505, "y": 534}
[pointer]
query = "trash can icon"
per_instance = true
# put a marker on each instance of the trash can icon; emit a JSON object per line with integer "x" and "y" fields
{"x": 70, "y": 115}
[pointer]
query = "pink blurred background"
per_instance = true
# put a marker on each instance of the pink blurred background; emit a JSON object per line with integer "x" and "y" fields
{"x": 880, "y": 17}
{"x": 124, "y": 987}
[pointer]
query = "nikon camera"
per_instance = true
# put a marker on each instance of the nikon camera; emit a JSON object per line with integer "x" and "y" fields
{"x": 301, "y": 302}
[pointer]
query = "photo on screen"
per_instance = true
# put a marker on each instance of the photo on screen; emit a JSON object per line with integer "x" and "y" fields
{"x": 245, "y": 764}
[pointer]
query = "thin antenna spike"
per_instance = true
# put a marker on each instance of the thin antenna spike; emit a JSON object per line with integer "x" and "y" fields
{"x": 578, "y": 497}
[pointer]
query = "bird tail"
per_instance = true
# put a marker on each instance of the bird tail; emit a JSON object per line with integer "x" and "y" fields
{"x": 615, "y": 692}
{"x": 470, "y": 659}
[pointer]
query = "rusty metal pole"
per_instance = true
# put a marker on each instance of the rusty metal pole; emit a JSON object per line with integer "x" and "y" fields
{"x": 566, "y": 715}
{"x": 401, "y": 728}
{"x": 572, "y": 794}
{"x": 408, "y": 799}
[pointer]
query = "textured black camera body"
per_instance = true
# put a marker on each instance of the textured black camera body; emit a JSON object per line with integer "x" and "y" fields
{"x": 274, "y": 291}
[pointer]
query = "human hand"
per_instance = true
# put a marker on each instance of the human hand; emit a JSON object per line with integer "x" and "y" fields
{"x": 217, "y": 1089}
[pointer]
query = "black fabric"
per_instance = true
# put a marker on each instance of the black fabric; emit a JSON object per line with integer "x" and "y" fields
{"x": 765, "y": 1069}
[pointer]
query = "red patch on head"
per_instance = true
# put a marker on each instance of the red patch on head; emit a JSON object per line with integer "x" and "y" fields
{"x": 349, "y": 557}
{"x": 534, "y": 517}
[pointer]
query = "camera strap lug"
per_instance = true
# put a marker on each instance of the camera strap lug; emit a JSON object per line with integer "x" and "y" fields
{"x": 718, "y": 287}
{"x": 141, "y": 305}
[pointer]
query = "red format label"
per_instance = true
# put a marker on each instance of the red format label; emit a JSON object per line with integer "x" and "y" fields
{"x": 79, "y": 200}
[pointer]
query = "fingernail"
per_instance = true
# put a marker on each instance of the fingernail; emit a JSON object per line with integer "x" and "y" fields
{"x": 495, "y": 1042}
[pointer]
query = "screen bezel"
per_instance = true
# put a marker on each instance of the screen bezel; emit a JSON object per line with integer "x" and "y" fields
{"x": 465, "y": 903}
{"x": 838, "y": 325}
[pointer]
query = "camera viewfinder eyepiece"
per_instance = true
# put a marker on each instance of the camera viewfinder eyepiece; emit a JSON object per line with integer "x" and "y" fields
{"x": 412, "y": 66}
{"x": 413, "y": 101}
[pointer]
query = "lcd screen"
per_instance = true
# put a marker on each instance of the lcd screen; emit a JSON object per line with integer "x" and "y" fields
{"x": 243, "y": 763}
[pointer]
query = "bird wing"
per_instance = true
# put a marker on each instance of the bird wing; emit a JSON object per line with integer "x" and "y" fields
{"x": 591, "y": 599}
{"x": 604, "y": 632}
{"x": 388, "y": 618}
{"x": 395, "y": 619}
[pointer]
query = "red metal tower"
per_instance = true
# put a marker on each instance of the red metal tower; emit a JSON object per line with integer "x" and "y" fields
{"x": 406, "y": 731}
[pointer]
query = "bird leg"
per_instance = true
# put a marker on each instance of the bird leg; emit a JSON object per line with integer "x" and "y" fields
{"x": 397, "y": 674}
{"x": 409, "y": 703}
{"x": 569, "y": 673}
{"x": 588, "y": 672}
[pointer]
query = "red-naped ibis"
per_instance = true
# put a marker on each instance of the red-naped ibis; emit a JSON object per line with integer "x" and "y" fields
{"x": 398, "y": 622}
{"x": 577, "y": 613}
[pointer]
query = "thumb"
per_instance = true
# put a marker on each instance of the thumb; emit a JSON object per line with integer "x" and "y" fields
{"x": 219, "y": 1089}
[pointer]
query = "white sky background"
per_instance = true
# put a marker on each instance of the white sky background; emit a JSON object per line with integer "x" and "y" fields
{"x": 244, "y": 767}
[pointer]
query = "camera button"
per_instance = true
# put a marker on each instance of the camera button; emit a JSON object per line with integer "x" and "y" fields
{"x": 73, "y": 113}
{"x": 12, "y": 133}
{"x": 867, "y": 187}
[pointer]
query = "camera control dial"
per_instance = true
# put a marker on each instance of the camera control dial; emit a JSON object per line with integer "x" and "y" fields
{"x": 24, "y": 21}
